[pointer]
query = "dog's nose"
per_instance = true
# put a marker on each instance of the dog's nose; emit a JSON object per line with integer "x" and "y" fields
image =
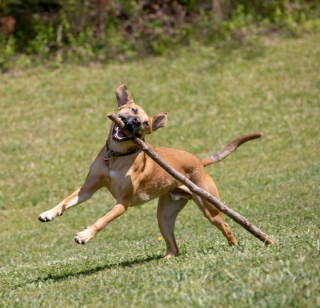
{"x": 136, "y": 122}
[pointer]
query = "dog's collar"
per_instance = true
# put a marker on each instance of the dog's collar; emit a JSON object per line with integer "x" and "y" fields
{"x": 117, "y": 154}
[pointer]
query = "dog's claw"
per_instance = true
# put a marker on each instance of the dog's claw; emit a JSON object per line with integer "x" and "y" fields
{"x": 79, "y": 241}
{"x": 48, "y": 216}
{"x": 84, "y": 236}
{"x": 41, "y": 218}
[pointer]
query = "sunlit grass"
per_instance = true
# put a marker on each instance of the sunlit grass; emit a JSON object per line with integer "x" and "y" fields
{"x": 53, "y": 124}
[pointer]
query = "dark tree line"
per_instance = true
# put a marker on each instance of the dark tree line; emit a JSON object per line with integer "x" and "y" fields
{"x": 102, "y": 29}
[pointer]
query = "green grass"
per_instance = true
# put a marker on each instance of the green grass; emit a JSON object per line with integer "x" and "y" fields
{"x": 53, "y": 124}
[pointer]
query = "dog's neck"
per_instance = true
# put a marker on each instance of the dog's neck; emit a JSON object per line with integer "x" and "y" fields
{"x": 121, "y": 147}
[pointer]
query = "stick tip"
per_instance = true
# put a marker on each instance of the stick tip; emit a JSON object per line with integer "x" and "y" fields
{"x": 270, "y": 241}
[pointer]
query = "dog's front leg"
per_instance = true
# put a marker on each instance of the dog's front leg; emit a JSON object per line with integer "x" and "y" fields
{"x": 80, "y": 195}
{"x": 87, "y": 234}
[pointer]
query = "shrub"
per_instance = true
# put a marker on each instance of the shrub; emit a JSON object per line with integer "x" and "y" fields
{"x": 87, "y": 30}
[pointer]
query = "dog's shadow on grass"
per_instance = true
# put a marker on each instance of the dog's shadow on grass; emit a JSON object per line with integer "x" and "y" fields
{"x": 88, "y": 272}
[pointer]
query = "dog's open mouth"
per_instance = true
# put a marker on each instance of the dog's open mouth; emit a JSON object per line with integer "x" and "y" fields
{"x": 118, "y": 134}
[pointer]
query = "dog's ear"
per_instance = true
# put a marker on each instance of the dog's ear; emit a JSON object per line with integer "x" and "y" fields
{"x": 160, "y": 120}
{"x": 123, "y": 96}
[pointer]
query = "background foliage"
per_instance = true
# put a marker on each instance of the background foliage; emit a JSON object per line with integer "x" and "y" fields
{"x": 34, "y": 31}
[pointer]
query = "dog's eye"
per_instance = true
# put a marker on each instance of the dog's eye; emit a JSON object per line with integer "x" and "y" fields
{"x": 146, "y": 123}
{"x": 134, "y": 110}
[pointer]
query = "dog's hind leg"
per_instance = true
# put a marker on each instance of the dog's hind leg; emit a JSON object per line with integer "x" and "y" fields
{"x": 168, "y": 210}
{"x": 209, "y": 211}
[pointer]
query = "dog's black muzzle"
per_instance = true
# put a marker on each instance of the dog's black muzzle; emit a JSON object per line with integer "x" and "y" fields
{"x": 133, "y": 124}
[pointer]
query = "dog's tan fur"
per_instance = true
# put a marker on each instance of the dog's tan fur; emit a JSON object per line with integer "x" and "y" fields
{"x": 135, "y": 179}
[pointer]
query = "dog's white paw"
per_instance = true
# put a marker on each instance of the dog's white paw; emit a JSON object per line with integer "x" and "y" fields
{"x": 84, "y": 236}
{"x": 48, "y": 215}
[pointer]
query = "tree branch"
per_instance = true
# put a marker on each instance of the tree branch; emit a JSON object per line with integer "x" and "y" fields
{"x": 241, "y": 220}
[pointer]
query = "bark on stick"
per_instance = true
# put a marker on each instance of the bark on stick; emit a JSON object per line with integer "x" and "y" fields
{"x": 241, "y": 220}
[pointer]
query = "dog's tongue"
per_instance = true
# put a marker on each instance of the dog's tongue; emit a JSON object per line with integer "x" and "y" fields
{"x": 121, "y": 134}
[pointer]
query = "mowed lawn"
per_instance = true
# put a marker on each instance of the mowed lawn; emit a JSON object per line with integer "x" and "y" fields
{"x": 53, "y": 124}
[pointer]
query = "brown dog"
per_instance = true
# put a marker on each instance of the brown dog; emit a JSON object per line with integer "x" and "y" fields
{"x": 133, "y": 178}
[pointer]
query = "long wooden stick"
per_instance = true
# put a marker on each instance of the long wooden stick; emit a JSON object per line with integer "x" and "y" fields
{"x": 242, "y": 221}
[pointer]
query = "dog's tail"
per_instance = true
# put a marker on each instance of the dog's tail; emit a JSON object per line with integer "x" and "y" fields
{"x": 215, "y": 158}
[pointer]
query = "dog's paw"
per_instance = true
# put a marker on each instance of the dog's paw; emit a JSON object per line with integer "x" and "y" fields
{"x": 48, "y": 215}
{"x": 84, "y": 236}
{"x": 171, "y": 253}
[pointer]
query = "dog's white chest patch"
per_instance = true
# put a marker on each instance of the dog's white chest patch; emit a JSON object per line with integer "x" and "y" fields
{"x": 117, "y": 173}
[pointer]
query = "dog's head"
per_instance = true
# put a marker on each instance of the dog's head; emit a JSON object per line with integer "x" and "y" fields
{"x": 134, "y": 117}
